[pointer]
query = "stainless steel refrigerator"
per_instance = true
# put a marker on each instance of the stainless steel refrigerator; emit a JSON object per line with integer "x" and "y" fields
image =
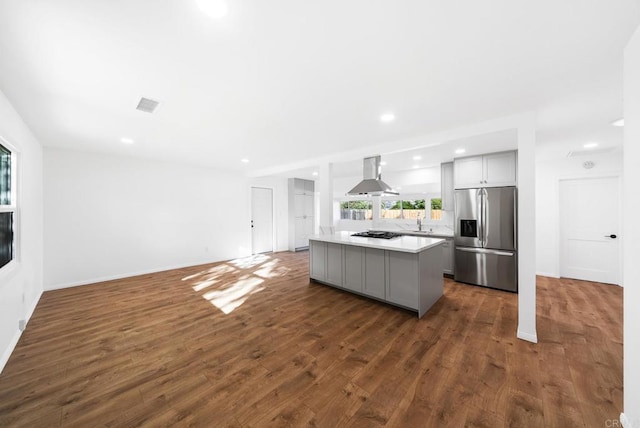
{"x": 485, "y": 233}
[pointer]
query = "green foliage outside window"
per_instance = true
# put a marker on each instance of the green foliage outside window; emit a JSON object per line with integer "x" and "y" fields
{"x": 356, "y": 205}
{"x": 417, "y": 204}
{"x": 393, "y": 209}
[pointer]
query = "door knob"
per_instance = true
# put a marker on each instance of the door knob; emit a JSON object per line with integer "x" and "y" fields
{"x": 611, "y": 236}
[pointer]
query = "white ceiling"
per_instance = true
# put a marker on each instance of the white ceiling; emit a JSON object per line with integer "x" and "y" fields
{"x": 431, "y": 156}
{"x": 284, "y": 81}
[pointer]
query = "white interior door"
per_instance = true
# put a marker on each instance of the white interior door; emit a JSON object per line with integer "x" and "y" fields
{"x": 590, "y": 229}
{"x": 261, "y": 220}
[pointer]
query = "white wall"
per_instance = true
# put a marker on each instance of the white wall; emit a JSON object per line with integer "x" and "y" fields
{"x": 280, "y": 189}
{"x": 548, "y": 176}
{"x": 631, "y": 245}
{"x": 108, "y": 217}
{"x": 527, "y": 328}
{"x": 21, "y": 284}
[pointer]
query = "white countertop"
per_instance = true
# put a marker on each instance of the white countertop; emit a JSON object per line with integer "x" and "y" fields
{"x": 426, "y": 233}
{"x": 406, "y": 244}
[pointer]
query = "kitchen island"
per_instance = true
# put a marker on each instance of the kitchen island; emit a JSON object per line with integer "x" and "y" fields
{"x": 448, "y": 248}
{"x": 405, "y": 271}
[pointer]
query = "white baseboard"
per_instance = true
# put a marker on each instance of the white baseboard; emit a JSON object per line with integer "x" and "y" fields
{"x": 14, "y": 340}
{"x": 7, "y": 352}
{"x": 32, "y": 308}
{"x": 128, "y": 275}
{"x": 550, "y": 275}
{"x": 529, "y": 337}
{"x": 626, "y": 423}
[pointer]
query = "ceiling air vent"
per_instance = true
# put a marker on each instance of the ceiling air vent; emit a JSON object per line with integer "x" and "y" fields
{"x": 576, "y": 153}
{"x": 147, "y": 105}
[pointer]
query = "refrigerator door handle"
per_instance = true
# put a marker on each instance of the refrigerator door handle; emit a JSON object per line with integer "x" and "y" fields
{"x": 479, "y": 202}
{"x": 485, "y": 214}
{"x": 515, "y": 219}
{"x": 484, "y": 251}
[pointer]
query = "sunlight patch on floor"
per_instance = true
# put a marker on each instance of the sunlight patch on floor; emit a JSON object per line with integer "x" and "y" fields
{"x": 228, "y": 285}
{"x": 249, "y": 262}
{"x": 213, "y": 272}
{"x": 204, "y": 284}
{"x": 235, "y": 295}
{"x": 271, "y": 270}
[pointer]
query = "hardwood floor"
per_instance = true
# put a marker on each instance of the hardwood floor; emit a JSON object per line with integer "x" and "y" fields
{"x": 255, "y": 344}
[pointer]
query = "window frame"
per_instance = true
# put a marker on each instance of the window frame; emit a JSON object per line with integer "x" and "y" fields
{"x": 428, "y": 202}
{"x": 401, "y": 199}
{"x": 13, "y": 207}
{"x": 427, "y": 197}
{"x": 350, "y": 200}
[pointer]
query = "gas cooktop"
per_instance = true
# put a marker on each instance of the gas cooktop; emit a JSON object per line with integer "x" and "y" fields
{"x": 377, "y": 234}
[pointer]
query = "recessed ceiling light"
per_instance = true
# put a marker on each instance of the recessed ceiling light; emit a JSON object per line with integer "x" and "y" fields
{"x": 383, "y": 163}
{"x": 417, "y": 157}
{"x": 388, "y": 117}
{"x": 590, "y": 145}
{"x": 460, "y": 151}
{"x": 619, "y": 122}
{"x": 314, "y": 173}
{"x": 244, "y": 160}
{"x": 126, "y": 140}
{"x": 216, "y": 9}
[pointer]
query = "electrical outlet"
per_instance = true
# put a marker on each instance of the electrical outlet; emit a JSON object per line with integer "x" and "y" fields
{"x": 22, "y": 324}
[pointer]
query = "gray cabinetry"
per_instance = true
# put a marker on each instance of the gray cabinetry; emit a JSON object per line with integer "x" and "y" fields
{"x": 490, "y": 170}
{"x": 402, "y": 277}
{"x": 446, "y": 186}
{"x": 448, "y": 256}
{"x": 448, "y": 250}
{"x": 353, "y": 268}
{"x": 334, "y": 264}
{"x": 325, "y": 262}
{"x": 411, "y": 280}
{"x": 374, "y": 273}
{"x": 301, "y": 213}
{"x": 318, "y": 260}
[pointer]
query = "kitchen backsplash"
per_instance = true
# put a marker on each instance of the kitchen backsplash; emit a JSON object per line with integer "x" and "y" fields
{"x": 444, "y": 226}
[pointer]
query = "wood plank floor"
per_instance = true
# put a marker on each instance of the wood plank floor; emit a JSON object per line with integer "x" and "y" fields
{"x": 253, "y": 343}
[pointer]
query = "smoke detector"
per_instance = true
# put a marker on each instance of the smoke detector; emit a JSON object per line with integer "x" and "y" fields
{"x": 588, "y": 165}
{"x": 147, "y": 105}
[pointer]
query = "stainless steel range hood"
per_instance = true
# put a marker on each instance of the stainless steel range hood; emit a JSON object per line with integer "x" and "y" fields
{"x": 372, "y": 184}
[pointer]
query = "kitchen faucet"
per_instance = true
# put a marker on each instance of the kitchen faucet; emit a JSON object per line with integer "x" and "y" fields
{"x": 419, "y": 223}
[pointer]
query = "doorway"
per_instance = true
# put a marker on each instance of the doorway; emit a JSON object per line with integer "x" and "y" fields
{"x": 590, "y": 229}
{"x": 261, "y": 220}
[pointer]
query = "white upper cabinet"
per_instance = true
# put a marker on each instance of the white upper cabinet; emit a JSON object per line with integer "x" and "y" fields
{"x": 500, "y": 169}
{"x": 467, "y": 172}
{"x": 303, "y": 187}
{"x": 446, "y": 186}
{"x": 490, "y": 170}
{"x": 309, "y": 187}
